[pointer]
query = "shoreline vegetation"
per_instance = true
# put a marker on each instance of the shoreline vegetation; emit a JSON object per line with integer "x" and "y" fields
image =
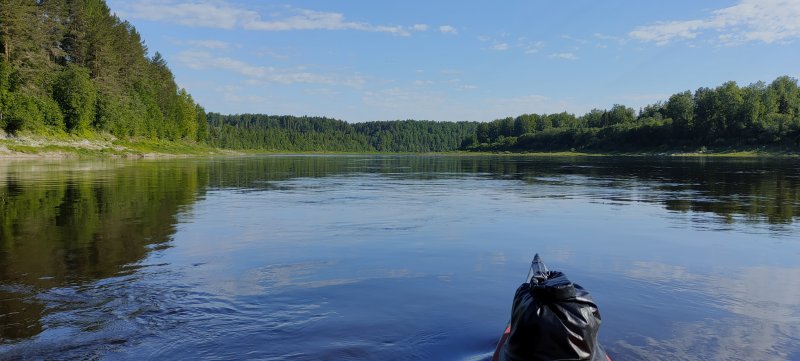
{"x": 31, "y": 146}
{"x": 76, "y": 80}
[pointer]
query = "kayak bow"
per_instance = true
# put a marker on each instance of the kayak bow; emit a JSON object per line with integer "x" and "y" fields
{"x": 537, "y": 273}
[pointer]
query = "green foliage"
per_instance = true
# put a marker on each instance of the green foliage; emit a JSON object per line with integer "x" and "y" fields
{"x": 108, "y": 112}
{"x": 202, "y": 124}
{"x": 5, "y": 75}
{"x": 680, "y": 108}
{"x": 76, "y": 94}
{"x": 20, "y": 113}
{"x": 51, "y": 115}
{"x": 415, "y": 135}
{"x": 726, "y": 116}
{"x": 187, "y": 116}
{"x": 783, "y": 96}
{"x": 288, "y": 133}
{"x": 94, "y": 66}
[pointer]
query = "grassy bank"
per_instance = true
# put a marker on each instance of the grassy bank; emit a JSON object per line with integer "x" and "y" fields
{"x": 107, "y": 146}
{"x": 98, "y": 146}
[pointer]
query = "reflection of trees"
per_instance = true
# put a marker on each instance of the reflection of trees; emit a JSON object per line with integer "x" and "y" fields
{"x": 80, "y": 226}
{"x": 756, "y": 190}
{"x": 80, "y": 223}
{"x": 762, "y": 322}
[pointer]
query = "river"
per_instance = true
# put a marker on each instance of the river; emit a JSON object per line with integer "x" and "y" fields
{"x": 393, "y": 257}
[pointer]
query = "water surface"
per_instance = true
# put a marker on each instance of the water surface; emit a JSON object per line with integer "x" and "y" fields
{"x": 392, "y": 257}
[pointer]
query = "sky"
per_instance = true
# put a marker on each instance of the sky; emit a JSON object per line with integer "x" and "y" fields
{"x": 454, "y": 60}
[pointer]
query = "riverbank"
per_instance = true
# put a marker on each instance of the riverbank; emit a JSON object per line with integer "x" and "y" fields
{"x": 98, "y": 146}
{"x": 107, "y": 146}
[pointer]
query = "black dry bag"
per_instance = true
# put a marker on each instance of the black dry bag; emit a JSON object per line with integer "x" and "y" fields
{"x": 553, "y": 319}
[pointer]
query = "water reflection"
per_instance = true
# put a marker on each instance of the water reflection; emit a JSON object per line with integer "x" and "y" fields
{"x": 72, "y": 225}
{"x": 738, "y": 190}
{"x": 81, "y": 246}
{"x": 758, "y": 317}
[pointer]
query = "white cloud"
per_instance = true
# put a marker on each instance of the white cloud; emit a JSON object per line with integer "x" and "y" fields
{"x": 500, "y": 46}
{"x": 211, "y": 15}
{"x": 419, "y": 27}
{"x": 532, "y": 48}
{"x": 564, "y": 56}
{"x": 447, "y": 29}
{"x": 315, "y": 20}
{"x": 502, "y": 43}
{"x": 210, "y": 44}
{"x": 767, "y": 21}
{"x": 662, "y": 33}
{"x": 200, "y": 60}
{"x": 469, "y": 87}
{"x": 217, "y": 14}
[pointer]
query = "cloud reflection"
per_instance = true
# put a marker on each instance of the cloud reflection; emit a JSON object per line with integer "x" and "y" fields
{"x": 762, "y": 321}
{"x": 308, "y": 275}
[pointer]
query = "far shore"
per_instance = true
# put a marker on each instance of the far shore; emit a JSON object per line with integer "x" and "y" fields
{"x": 35, "y": 147}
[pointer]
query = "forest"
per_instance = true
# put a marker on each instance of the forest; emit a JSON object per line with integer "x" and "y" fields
{"x": 728, "y": 116}
{"x": 725, "y": 117}
{"x": 290, "y": 133}
{"x": 73, "y": 67}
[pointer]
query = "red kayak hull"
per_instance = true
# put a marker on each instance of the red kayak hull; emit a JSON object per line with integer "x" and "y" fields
{"x": 500, "y": 343}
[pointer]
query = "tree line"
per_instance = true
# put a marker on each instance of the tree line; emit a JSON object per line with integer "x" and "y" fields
{"x": 759, "y": 114}
{"x": 728, "y": 116}
{"x": 290, "y": 133}
{"x": 71, "y": 66}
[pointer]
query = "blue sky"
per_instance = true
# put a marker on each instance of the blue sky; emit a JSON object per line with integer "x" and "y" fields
{"x": 461, "y": 60}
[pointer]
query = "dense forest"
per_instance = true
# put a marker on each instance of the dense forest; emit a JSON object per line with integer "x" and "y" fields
{"x": 727, "y": 116}
{"x": 288, "y": 133}
{"x": 71, "y": 66}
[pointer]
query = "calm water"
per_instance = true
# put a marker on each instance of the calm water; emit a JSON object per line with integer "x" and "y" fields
{"x": 392, "y": 257}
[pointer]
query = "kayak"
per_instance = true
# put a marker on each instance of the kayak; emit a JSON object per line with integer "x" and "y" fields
{"x": 499, "y": 348}
{"x": 537, "y": 272}
{"x": 538, "y": 269}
